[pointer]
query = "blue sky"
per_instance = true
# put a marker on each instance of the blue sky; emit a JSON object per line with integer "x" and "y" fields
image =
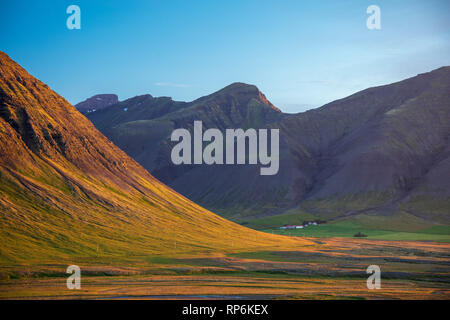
{"x": 301, "y": 54}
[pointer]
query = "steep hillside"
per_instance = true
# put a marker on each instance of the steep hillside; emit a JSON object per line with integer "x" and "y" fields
{"x": 67, "y": 192}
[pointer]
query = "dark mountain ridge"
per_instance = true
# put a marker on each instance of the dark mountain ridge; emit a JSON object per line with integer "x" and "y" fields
{"x": 381, "y": 151}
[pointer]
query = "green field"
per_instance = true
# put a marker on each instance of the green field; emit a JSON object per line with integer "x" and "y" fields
{"x": 348, "y": 229}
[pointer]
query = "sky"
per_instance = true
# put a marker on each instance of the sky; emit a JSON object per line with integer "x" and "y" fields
{"x": 300, "y": 54}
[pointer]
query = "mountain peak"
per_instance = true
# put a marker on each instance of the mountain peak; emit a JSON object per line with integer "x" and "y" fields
{"x": 242, "y": 91}
{"x": 241, "y": 85}
{"x": 5, "y": 58}
{"x": 97, "y": 102}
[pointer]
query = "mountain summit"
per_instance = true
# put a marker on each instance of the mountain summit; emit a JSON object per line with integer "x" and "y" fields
{"x": 242, "y": 93}
{"x": 97, "y": 102}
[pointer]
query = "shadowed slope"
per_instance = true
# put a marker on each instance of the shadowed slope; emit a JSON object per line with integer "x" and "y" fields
{"x": 378, "y": 151}
{"x": 381, "y": 151}
{"x": 67, "y": 191}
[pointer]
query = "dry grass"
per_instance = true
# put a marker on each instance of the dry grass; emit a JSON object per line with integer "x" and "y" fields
{"x": 330, "y": 269}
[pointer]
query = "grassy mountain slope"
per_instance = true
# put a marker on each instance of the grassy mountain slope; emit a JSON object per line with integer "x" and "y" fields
{"x": 68, "y": 193}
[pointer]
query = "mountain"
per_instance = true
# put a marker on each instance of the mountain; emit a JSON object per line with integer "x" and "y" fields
{"x": 382, "y": 152}
{"x": 68, "y": 193}
{"x": 142, "y": 125}
{"x": 379, "y": 155}
{"x": 237, "y": 104}
{"x": 97, "y": 102}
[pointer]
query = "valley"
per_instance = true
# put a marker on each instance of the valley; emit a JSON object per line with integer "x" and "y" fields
{"x": 69, "y": 196}
{"x": 329, "y": 268}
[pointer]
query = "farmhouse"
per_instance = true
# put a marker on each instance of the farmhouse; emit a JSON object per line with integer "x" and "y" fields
{"x": 291, "y": 227}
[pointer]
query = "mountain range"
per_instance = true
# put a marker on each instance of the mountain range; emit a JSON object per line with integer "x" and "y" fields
{"x": 67, "y": 192}
{"x": 380, "y": 156}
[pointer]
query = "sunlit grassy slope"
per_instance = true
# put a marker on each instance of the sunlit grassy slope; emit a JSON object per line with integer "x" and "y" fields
{"x": 67, "y": 192}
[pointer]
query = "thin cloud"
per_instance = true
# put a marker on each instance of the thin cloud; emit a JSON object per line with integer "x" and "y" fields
{"x": 170, "y": 84}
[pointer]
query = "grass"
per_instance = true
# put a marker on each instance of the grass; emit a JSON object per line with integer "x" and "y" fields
{"x": 256, "y": 286}
{"x": 348, "y": 229}
{"x": 84, "y": 202}
{"x": 333, "y": 270}
{"x": 272, "y": 222}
